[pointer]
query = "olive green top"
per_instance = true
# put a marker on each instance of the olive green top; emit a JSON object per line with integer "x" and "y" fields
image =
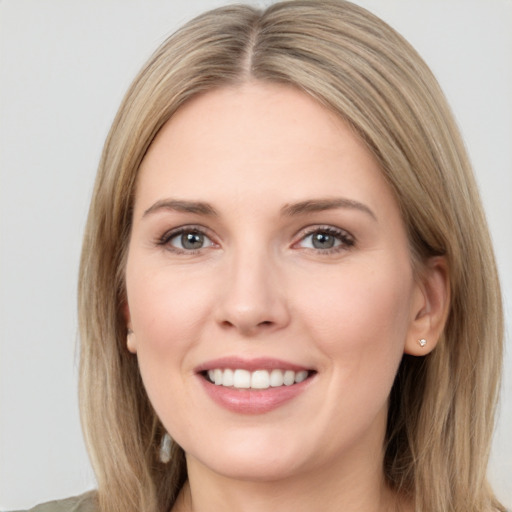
{"x": 83, "y": 503}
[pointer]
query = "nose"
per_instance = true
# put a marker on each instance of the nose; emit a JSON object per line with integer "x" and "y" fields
{"x": 253, "y": 298}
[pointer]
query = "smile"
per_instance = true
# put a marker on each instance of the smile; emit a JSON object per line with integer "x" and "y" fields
{"x": 253, "y": 386}
{"x": 258, "y": 379}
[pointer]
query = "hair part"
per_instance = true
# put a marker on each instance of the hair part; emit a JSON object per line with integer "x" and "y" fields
{"x": 441, "y": 414}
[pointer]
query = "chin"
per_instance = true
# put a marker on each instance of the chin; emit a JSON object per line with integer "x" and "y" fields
{"x": 253, "y": 469}
{"x": 251, "y": 459}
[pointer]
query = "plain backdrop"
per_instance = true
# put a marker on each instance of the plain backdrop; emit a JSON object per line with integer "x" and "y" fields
{"x": 64, "y": 67}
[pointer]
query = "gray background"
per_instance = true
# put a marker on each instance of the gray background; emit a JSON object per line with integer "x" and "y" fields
{"x": 64, "y": 66}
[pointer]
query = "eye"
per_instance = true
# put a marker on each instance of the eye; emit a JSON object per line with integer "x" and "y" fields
{"x": 186, "y": 240}
{"x": 326, "y": 239}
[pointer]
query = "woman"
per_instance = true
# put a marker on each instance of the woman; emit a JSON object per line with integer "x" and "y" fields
{"x": 286, "y": 268}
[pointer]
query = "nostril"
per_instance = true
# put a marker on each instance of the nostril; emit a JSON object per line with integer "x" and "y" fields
{"x": 248, "y": 328}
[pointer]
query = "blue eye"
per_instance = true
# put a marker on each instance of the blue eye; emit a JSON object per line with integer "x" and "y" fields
{"x": 322, "y": 240}
{"x": 186, "y": 240}
{"x": 327, "y": 239}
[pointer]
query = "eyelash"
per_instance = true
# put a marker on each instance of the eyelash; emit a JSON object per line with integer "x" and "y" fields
{"x": 165, "y": 239}
{"x": 346, "y": 239}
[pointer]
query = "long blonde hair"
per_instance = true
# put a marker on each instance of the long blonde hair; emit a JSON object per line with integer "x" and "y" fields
{"x": 441, "y": 414}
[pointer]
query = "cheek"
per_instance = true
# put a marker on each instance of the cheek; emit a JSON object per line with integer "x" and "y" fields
{"x": 167, "y": 311}
{"x": 361, "y": 316}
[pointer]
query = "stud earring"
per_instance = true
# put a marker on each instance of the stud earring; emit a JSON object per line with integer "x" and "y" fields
{"x": 165, "y": 448}
{"x": 422, "y": 343}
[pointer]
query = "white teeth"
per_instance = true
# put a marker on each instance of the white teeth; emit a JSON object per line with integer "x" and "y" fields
{"x": 259, "y": 379}
{"x": 241, "y": 379}
{"x": 276, "y": 378}
{"x": 228, "y": 377}
{"x": 300, "y": 376}
{"x": 289, "y": 378}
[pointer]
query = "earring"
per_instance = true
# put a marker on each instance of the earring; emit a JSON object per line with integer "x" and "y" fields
{"x": 165, "y": 448}
{"x": 422, "y": 343}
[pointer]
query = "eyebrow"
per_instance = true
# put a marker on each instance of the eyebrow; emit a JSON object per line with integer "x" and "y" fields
{"x": 320, "y": 205}
{"x": 196, "y": 207}
{"x": 288, "y": 210}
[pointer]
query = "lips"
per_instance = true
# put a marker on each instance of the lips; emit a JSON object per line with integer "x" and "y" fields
{"x": 253, "y": 386}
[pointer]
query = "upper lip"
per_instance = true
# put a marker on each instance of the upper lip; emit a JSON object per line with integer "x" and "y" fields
{"x": 258, "y": 363}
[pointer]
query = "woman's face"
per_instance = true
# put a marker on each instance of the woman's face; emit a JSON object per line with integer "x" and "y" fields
{"x": 267, "y": 255}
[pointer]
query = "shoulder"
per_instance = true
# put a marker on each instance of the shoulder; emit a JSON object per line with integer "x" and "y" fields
{"x": 84, "y": 503}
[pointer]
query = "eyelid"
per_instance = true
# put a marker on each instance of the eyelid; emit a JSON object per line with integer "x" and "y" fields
{"x": 346, "y": 238}
{"x": 167, "y": 236}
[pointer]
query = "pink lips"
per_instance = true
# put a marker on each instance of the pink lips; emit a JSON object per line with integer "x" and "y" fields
{"x": 251, "y": 401}
{"x": 260, "y": 363}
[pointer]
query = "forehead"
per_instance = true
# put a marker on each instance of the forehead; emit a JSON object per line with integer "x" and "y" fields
{"x": 262, "y": 140}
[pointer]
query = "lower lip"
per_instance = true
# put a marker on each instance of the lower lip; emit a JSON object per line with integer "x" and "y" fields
{"x": 253, "y": 401}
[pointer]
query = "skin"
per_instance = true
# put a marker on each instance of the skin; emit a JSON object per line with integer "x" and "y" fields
{"x": 259, "y": 287}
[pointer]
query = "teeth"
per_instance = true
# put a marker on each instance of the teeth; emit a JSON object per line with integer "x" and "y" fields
{"x": 300, "y": 376}
{"x": 228, "y": 378}
{"x": 289, "y": 378}
{"x": 276, "y": 378}
{"x": 241, "y": 379}
{"x": 259, "y": 379}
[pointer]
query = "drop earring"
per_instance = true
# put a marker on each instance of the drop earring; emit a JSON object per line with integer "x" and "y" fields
{"x": 422, "y": 342}
{"x": 165, "y": 448}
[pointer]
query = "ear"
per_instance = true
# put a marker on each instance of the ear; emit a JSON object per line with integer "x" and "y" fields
{"x": 130, "y": 336}
{"x": 431, "y": 305}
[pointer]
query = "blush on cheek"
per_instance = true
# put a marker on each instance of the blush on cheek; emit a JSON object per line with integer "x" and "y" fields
{"x": 166, "y": 312}
{"x": 362, "y": 319}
